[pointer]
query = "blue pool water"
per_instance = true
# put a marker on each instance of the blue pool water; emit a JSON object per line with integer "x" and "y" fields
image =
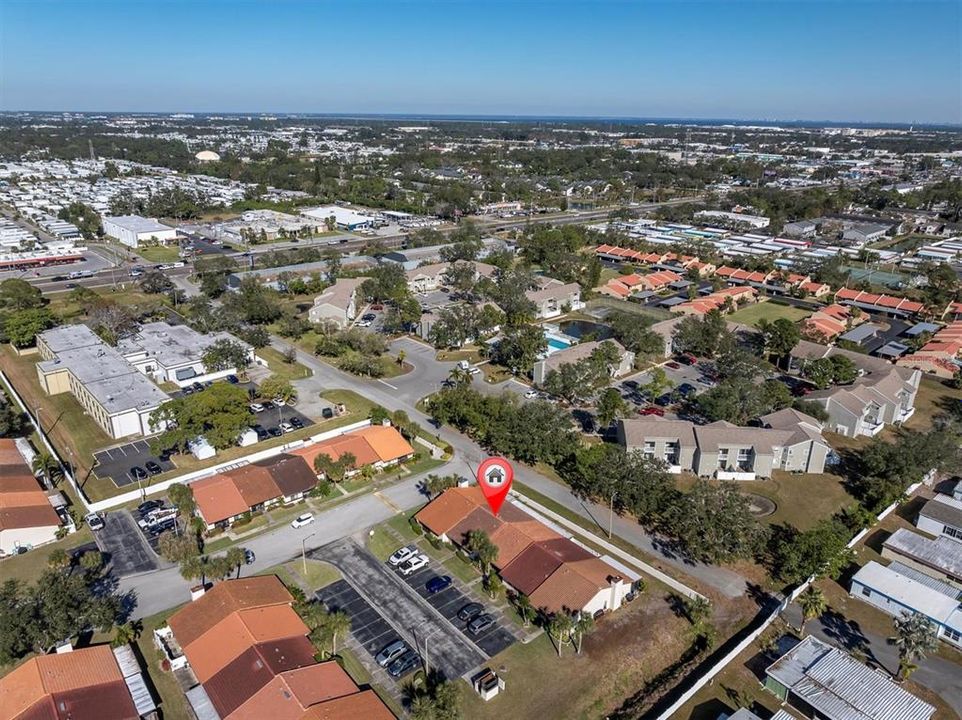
{"x": 557, "y": 344}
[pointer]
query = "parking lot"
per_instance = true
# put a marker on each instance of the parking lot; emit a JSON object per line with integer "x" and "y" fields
{"x": 398, "y": 606}
{"x": 126, "y": 547}
{"x": 115, "y": 463}
{"x": 447, "y": 602}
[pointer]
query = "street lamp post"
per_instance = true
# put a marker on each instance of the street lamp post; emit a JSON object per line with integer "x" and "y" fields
{"x": 304, "y": 551}
{"x": 611, "y": 513}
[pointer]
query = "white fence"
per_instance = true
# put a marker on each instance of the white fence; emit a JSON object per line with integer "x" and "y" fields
{"x": 160, "y": 487}
{"x": 769, "y": 619}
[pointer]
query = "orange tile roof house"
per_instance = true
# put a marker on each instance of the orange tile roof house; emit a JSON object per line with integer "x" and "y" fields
{"x": 830, "y": 322}
{"x": 27, "y": 518}
{"x": 89, "y": 684}
{"x": 556, "y": 574}
{"x": 223, "y": 497}
{"x": 377, "y": 445}
{"x": 716, "y": 301}
{"x": 249, "y": 652}
{"x": 887, "y": 304}
{"x": 940, "y": 355}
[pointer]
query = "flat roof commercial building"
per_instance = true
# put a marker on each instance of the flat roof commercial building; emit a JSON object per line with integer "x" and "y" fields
{"x": 118, "y": 397}
{"x": 134, "y": 231}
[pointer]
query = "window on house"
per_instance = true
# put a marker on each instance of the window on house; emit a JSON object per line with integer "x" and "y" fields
{"x": 866, "y": 591}
{"x": 649, "y": 450}
{"x": 953, "y": 635}
{"x": 952, "y": 532}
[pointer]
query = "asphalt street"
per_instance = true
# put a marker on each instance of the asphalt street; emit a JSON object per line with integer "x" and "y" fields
{"x": 402, "y": 392}
{"x": 127, "y": 548}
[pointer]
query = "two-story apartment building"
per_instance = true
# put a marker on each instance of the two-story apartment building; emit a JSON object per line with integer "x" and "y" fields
{"x": 553, "y": 297}
{"x": 575, "y": 353}
{"x": 337, "y": 303}
{"x": 884, "y": 394}
{"x": 428, "y": 278}
{"x": 791, "y": 441}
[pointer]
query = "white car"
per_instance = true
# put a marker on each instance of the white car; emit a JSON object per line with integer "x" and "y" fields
{"x": 257, "y": 407}
{"x": 94, "y": 522}
{"x": 302, "y": 520}
{"x": 286, "y": 427}
{"x": 531, "y": 395}
{"x": 279, "y": 401}
{"x": 413, "y": 564}
{"x": 403, "y": 554}
{"x": 364, "y": 323}
{"x": 474, "y": 371}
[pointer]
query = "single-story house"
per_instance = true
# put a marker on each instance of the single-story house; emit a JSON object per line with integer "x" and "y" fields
{"x": 378, "y": 446}
{"x": 27, "y": 517}
{"x": 820, "y": 680}
{"x": 941, "y": 516}
{"x": 940, "y": 558}
{"x": 900, "y": 590}
{"x": 556, "y": 574}
{"x": 223, "y": 498}
{"x": 337, "y": 303}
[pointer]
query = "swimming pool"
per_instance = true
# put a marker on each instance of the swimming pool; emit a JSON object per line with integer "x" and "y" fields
{"x": 557, "y": 344}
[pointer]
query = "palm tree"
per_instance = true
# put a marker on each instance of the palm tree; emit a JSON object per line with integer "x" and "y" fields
{"x": 437, "y": 484}
{"x": 582, "y": 627}
{"x": 59, "y": 559}
{"x": 47, "y": 465}
{"x": 697, "y": 609}
{"x": 127, "y": 633}
{"x": 560, "y": 627}
{"x": 525, "y": 609}
{"x": 193, "y": 568}
{"x": 813, "y": 604}
{"x": 914, "y": 637}
{"x": 400, "y": 357}
{"x": 337, "y": 622}
{"x": 235, "y": 558}
{"x": 479, "y": 544}
{"x": 460, "y": 376}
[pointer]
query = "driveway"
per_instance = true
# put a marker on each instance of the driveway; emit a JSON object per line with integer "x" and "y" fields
{"x": 449, "y": 651}
{"x": 122, "y": 541}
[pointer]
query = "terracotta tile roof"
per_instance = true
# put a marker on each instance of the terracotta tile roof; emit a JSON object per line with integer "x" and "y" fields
{"x": 9, "y": 454}
{"x": 218, "y": 498}
{"x": 193, "y": 620}
{"x": 376, "y": 443}
{"x": 447, "y": 510}
{"x": 287, "y": 653}
{"x": 23, "y": 504}
{"x": 287, "y": 696}
{"x": 236, "y": 682}
{"x": 387, "y": 442}
{"x": 238, "y": 632}
{"x": 563, "y": 590}
{"x": 530, "y": 568}
{"x": 33, "y": 516}
{"x": 291, "y": 473}
{"x": 87, "y": 682}
{"x": 365, "y": 705}
{"x": 477, "y": 519}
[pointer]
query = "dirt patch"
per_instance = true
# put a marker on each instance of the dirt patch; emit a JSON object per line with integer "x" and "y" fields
{"x": 759, "y": 505}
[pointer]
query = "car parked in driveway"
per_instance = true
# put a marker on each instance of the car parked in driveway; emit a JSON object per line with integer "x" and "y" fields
{"x": 480, "y": 623}
{"x": 404, "y": 664}
{"x": 437, "y": 584}
{"x": 402, "y": 554}
{"x": 302, "y": 520}
{"x": 391, "y": 652}
{"x": 412, "y": 565}
{"x": 470, "y": 611}
{"x": 94, "y": 522}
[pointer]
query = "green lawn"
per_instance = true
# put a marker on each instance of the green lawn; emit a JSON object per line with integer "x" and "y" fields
{"x": 28, "y": 567}
{"x": 280, "y": 368}
{"x": 381, "y": 543}
{"x": 160, "y": 253}
{"x": 752, "y": 314}
{"x": 802, "y": 499}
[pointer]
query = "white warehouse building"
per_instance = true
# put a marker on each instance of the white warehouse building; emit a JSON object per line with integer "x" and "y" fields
{"x": 133, "y": 230}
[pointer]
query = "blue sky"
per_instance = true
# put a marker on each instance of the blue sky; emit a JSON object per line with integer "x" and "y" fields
{"x": 853, "y": 60}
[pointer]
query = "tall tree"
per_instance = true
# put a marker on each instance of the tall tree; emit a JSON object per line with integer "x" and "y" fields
{"x": 813, "y": 604}
{"x": 914, "y": 637}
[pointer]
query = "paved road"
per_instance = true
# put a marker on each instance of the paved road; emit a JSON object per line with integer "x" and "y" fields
{"x": 938, "y": 675}
{"x": 165, "y": 589}
{"x": 127, "y": 547}
{"x": 468, "y": 455}
{"x": 400, "y": 605}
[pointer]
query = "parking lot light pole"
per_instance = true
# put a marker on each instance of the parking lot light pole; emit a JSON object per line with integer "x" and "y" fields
{"x": 304, "y": 551}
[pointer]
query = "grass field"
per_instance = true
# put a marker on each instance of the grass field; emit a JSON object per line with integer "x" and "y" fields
{"x": 28, "y": 567}
{"x": 933, "y": 398}
{"x": 624, "y": 650}
{"x": 280, "y": 368}
{"x": 160, "y": 253}
{"x": 752, "y": 314}
{"x": 802, "y": 500}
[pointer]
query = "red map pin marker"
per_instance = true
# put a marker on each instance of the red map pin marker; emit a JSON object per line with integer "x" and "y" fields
{"x": 495, "y": 476}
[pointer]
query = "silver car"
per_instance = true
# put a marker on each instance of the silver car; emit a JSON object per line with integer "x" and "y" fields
{"x": 391, "y": 652}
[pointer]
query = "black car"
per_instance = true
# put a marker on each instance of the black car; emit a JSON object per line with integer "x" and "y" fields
{"x": 261, "y": 432}
{"x": 232, "y": 379}
{"x": 327, "y": 413}
{"x": 249, "y": 557}
{"x": 630, "y": 384}
{"x": 148, "y": 505}
{"x": 275, "y": 432}
{"x": 268, "y": 405}
{"x": 153, "y": 468}
{"x": 197, "y": 386}
{"x": 663, "y": 400}
{"x": 470, "y": 611}
{"x": 686, "y": 389}
{"x": 187, "y": 390}
{"x": 369, "y": 317}
{"x": 138, "y": 473}
{"x": 404, "y": 664}
{"x": 162, "y": 527}
{"x": 296, "y": 422}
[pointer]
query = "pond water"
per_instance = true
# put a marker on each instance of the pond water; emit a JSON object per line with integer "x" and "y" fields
{"x": 583, "y": 329}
